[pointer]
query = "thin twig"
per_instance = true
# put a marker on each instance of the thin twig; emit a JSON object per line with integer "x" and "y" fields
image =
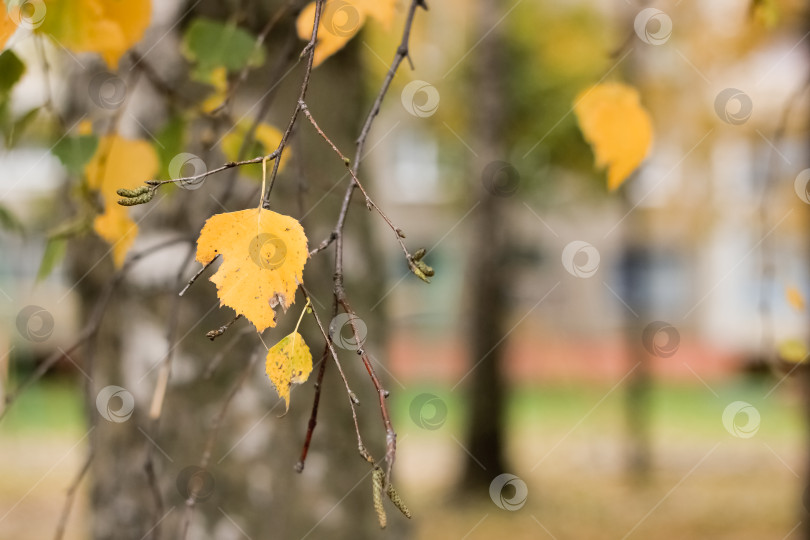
{"x": 140, "y": 63}
{"x": 229, "y": 165}
{"x": 277, "y": 74}
{"x": 337, "y": 235}
{"x": 214, "y": 334}
{"x": 257, "y": 45}
{"x": 370, "y": 203}
{"x": 217, "y": 359}
{"x": 309, "y": 50}
{"x": 353, "y": 401}
{"x": 70, "y": 497}
{"x": 196, "y": 276}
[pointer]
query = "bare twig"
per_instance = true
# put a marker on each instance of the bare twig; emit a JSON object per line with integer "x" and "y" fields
{"x": 229, "y": 165}
{"x": 196, "y": 276}
{"x": 370, "y": 203}
{"x": 140, "y": 63}
{"x": 309, "y": 51}
{"x": 353, "y": 401}
{"x": 217, "y": 359}
{"x": 70, "y": 497}
{"x": 214, "y": 334}
{"x": 257, "y": 45}
{"x": 337, "y": 237}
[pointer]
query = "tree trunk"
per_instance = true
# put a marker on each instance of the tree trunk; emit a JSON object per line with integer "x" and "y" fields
{"x": 488, "y": 284}
{"x": 635, "y": 271}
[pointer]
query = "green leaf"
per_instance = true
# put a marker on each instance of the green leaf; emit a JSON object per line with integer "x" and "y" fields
{"x": 11, "y": 71}
{"x": 54, "y": 253}
{"x": 75, "y": 152}
{"x": 10, "y": 222}
{"x": 210, "y": 44}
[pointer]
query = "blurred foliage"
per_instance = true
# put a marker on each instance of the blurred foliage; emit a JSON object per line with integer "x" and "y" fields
{"x": 210, "y": 44}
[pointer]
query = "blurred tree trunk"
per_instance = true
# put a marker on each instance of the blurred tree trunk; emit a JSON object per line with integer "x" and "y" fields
{"x": 255, "y": 492}
{"x": 488, "y": 284}
{"x": 635, "y": 274}
{"x": 637, "y": 247}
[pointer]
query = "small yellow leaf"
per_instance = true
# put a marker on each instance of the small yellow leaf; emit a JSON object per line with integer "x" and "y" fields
{"x": 381, "y": 10}
{"x": 617, "y": 127}
{"x": 219, "y": 80}
{"x": 106, "y": 27}
{"x": 267, "y": 135}
{"x": 793, "y": 351}
{"x": 7, "y": 26}
{"x": 263, "y": 261}
{"x": 288, "y": 362}
{"x": 340, "y": 22}
{"x": 119, "y": 164}
{"x": 795, "y": 298}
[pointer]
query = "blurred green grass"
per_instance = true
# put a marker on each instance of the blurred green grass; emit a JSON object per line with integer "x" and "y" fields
{"x": 52, "y": 406}
{"x": 675, "y": 408}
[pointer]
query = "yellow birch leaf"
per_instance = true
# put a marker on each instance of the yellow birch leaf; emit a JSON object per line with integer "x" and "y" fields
{"x": 7, "y": 26}
{"x": 617, "y": 127}
{"x": 106, "y": 27}
{"x": 340, "y": 22}
{"x": 119, "y": 163}
{"x": 795, "y": 298}
{"x": 288, "y": 362}
{"x": 263, "y": 261}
